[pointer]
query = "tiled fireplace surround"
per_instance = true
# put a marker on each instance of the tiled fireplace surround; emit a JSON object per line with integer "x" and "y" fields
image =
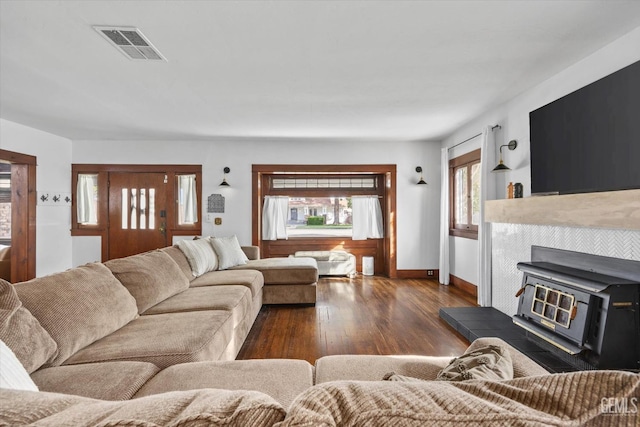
{"x": 606, "y": 224}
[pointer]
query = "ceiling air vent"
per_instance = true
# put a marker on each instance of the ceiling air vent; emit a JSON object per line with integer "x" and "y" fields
{"x": 131, "y": 42}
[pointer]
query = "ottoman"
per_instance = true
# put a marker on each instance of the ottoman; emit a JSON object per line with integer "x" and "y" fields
{"x": 286, "y": 280}
{"x": 332, "y": 263}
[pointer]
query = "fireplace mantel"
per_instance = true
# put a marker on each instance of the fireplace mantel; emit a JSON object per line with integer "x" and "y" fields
{"x": 612, "y": 209}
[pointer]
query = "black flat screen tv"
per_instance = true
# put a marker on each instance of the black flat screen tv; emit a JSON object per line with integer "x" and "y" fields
{"x": 589, "y": 140}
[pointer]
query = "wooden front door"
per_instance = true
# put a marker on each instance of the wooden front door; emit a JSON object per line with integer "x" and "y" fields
{"x": 137, "y": 213}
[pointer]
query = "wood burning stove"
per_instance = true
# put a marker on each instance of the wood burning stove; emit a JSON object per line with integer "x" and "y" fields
{"x": 583, "y": 305}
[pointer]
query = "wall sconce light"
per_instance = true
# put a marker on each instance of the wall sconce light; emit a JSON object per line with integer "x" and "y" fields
{"x": 224, "y": 182}
{"x": 421, "y": 181}
{"x": 501, "y": 166}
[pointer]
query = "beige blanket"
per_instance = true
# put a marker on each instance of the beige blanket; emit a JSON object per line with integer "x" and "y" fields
{"x": 598, "y": 398}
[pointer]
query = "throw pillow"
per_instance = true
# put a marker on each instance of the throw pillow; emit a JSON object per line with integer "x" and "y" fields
{"x": 486, "y": 363}
{"x": 12, "y": 374}
{"x": 200, "y": 255}
{"x": 150, "y": 277}
{"x": 229, "y": 252}
{"x": 28, "y": 340}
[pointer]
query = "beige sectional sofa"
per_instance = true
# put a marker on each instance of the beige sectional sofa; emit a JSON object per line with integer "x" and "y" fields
{"x": 150, "y": 307}
{"x": 139, "y": 341}
{"x": 339, "y": 390}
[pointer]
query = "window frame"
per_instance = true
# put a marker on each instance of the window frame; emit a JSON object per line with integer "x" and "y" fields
{"x": 323, "y": 192}
{"x": 383, "y": 250}
{"x": 468, "y": 230}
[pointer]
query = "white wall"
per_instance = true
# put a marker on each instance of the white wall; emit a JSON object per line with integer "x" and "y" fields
{"x": 417, "y": 206}
{"x": 53, "y": 173}
{"x": 513, "y": 116}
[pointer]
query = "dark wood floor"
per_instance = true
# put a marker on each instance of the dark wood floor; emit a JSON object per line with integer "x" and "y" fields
{"x": 364, "y": 315}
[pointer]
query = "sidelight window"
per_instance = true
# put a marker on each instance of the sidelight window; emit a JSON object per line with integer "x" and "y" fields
{"x": 187, "y": 199}
{"x": 87, "y": 196}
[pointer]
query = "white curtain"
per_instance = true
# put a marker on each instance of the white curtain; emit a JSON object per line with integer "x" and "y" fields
{"x": 367, "y": 218}
{"x": 86, "y": 208}
{"x": 487, "y": 192}
{"x": 274, "y": 217}
{"x": 444, "y": 217}
{"x": 188, "y": 199}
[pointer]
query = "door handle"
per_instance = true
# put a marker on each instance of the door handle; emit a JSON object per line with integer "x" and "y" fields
{"x": 163, "y": 228}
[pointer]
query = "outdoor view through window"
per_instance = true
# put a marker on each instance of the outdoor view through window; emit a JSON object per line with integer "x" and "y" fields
{"x": 319, "y": 217}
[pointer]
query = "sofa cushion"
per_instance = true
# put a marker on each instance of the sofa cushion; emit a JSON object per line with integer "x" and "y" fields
{"x": 196, "y": 408}
{"x": 284, "y": 271}
{"x": 250, "y": 278}
{"x": 560, "y": 399}
{"x": 164, "y": 339}
{"x": 234, "y": 299}
{"x": 374, "y": 367}
{"x": 106, "y": 380}
{"x": 282, "y": 379}
{"x": 13, "y": 376}
{"x": 21, "y": 332}
{"x": 151, "y": 277}
{"x": 200, "y": 255}
{"x": 78, "y": 306}
{"x": 178, "y": 256}
{"x": 228, "y": 251}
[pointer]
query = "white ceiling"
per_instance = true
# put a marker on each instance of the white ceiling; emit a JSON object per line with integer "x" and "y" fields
{"x": 384, "y": 70}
